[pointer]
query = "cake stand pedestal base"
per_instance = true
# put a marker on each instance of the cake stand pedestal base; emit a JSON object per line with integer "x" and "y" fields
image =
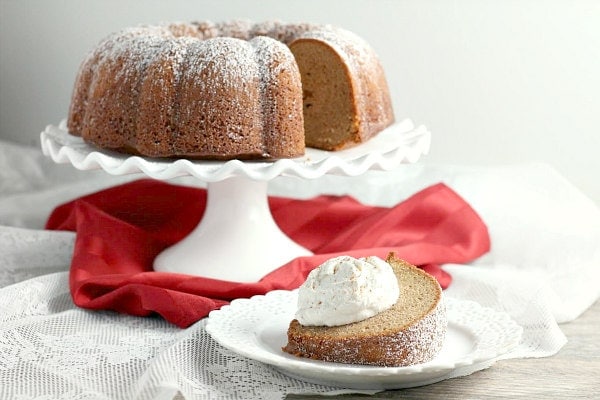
{"x": 237, "y": 238}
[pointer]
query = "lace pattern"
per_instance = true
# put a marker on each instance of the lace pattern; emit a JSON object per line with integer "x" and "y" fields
{"x": 49, "y": 349}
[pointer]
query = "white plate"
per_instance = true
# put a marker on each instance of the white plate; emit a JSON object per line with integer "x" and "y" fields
{"x": 256, "y": 328}
{"x": 400, "y": 143}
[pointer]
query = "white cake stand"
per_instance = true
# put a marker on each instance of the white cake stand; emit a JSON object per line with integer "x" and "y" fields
{"x": 237, "y": 239}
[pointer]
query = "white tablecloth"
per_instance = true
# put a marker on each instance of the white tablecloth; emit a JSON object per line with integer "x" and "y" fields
{"x": 543, "y": 269}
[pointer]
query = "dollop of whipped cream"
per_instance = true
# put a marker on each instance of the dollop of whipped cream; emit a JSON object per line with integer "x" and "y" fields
{"x": 344, "y": 290}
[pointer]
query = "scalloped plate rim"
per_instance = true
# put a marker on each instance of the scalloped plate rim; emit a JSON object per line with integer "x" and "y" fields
{"x": 369, "y": 376}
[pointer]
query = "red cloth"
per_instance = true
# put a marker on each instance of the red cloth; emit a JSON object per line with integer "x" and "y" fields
{"x": 121, "y": 230}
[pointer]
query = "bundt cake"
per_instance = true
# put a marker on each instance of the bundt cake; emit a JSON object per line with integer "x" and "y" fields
{"x": 229, "y": 90}
{"x": 410, "y": 332}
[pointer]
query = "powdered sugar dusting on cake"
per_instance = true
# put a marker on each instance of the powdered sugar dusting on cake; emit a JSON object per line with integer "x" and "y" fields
{"x": 418, "y": 343}
{"x": 215, "y": 68}
{"x": 177, "y": 48}
{"x": 234, "y": 58}
{"x": 277, "y": 69}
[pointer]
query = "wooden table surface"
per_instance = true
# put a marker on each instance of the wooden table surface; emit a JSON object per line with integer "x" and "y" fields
{"x": 573, "y": 373}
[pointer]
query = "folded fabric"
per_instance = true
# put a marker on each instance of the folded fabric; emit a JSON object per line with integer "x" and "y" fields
{"x": 122, "y": 229}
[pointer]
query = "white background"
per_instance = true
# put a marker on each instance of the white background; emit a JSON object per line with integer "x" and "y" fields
{"x": 497, "y": 82}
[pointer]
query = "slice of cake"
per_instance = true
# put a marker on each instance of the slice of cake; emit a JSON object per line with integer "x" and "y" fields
{"x": 409, "y": 332}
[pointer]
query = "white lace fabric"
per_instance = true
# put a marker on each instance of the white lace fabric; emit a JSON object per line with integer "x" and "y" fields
{"x": 50, "y": 349}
